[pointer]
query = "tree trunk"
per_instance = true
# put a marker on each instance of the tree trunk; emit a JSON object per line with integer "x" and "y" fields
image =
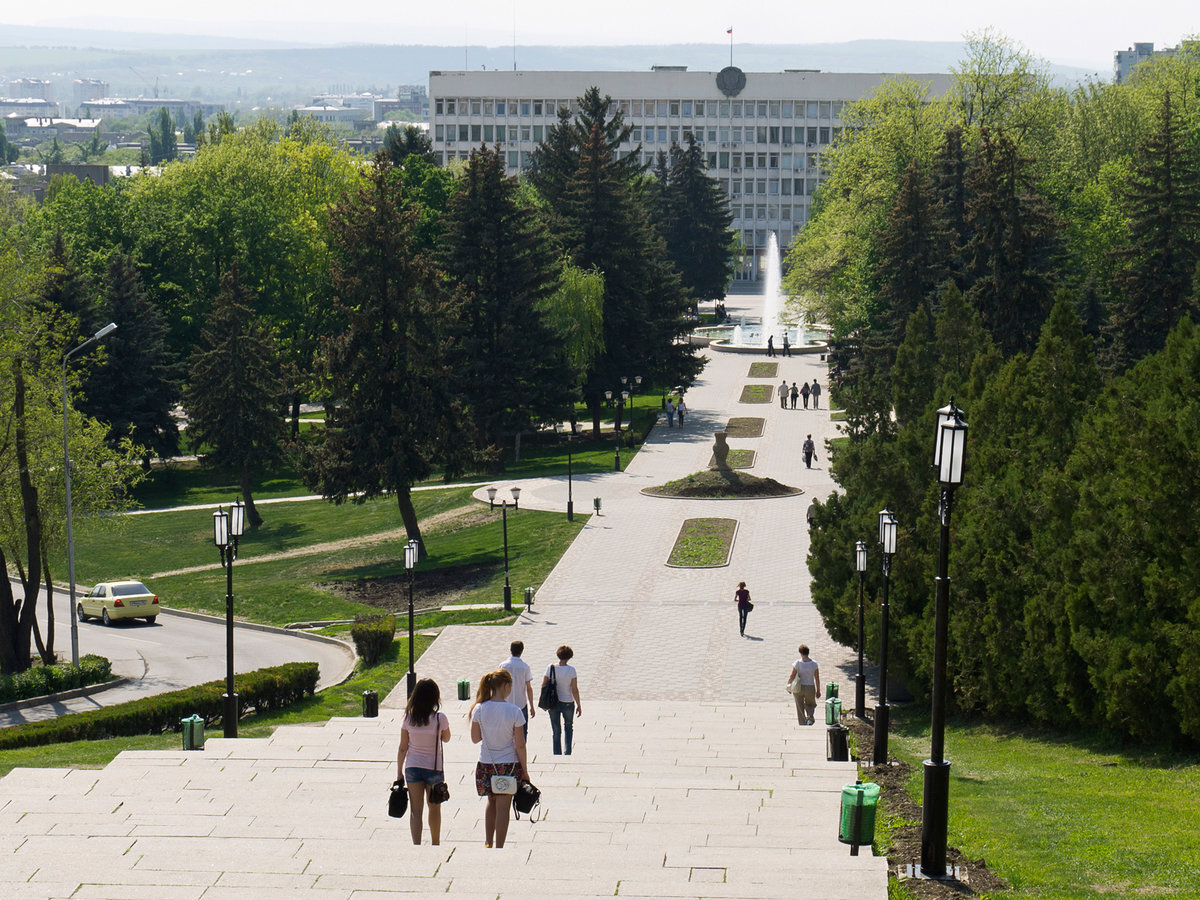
{"x": 295, "y": 414}
{"x": 594, "y": 409}
{"x": 517, "y": 447}
{"x": 253, "y": 519}
{"x": 408, "y": 515}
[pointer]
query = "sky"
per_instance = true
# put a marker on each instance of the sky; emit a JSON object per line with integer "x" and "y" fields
{"x": 1069, "y": 33}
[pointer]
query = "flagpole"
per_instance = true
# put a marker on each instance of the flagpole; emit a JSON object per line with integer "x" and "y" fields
{"x": 731, "y": 45}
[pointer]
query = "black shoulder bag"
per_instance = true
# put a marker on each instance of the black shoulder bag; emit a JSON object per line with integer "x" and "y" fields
{"x": 549, "y": 695}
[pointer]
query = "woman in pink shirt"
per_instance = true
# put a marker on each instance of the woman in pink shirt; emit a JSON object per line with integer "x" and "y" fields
{"x": 418, "y": 758}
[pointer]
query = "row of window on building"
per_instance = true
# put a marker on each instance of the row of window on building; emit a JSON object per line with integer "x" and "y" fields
{"x": 719, "y": 109}
{"x": 786, "y": 136}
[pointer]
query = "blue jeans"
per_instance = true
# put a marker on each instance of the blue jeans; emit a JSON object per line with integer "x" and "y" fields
{"x": 562, "y": 711}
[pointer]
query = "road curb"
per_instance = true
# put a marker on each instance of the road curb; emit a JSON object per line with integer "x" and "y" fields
{"x": 63, "y": 695}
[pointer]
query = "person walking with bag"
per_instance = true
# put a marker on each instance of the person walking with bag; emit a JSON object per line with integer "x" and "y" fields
{"x": 563, "y": 712}
{"x": 418, "y": 762}
{"x": 742, "y": 596}
{"x": 805, "y": 684}
{"x": 496, "y": 725}
{"x": 810, "y": 451}
{"x": 681, "y": 408}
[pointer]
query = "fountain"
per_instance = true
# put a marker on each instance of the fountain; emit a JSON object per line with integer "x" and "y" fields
{"x": 752, "y": 338}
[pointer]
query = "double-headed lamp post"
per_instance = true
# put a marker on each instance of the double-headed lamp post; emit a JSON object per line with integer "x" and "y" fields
{"x": 860, "y": 681}
{"x": 103, "y": 332}
{"x": 411, "y": 551}
{"x": 227, "y": 529}
{"x": 516, "y": 495}
{"x": 888, "y": 527}
{"x": 949, "y": 449}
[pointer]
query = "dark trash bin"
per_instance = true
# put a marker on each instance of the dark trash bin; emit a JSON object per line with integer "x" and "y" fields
{"x": 464, "y": 689}
{"x": 837, "y": 747}
{"x": 833, "y": 711}
{"x": 193, "y": 732}
{"x": 370, "y": 704}
{"x": 859, "y": 801}
{"x": 831, "y": 689}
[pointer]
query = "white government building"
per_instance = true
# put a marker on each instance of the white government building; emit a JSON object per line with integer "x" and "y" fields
{"x": 762, "y": 132}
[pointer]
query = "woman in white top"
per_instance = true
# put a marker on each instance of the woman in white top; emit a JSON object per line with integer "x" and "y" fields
{"x": 417, "y": 760}
{"x": 497, "y": 726}
{"x": 568, "y": 705}
{"x": 810, "y": 686}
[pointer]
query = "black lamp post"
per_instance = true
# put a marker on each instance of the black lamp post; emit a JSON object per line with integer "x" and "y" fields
{"x": 949, "y": 449}
{"x": 860, "y": 681}
{"x": 888, "y": 527}
{"x": 411, "y": 552}
{"x": 516, "y": 495}
{"x": 227, "y": 529}
{"x": 570, "y": 486}
{"x": 102, "y": 333}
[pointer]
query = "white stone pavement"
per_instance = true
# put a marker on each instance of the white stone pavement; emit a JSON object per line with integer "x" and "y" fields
{"x": 690, "y": 776}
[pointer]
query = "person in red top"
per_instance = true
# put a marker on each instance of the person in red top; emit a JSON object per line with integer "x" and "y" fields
{"x": 742, "y": 596}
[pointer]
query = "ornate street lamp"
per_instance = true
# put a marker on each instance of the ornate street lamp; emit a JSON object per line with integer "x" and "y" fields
{"x": 888, "y": 526}
{"x": 860, "y": 681}
{"x": 102, "y": 333}
{"x": 950, "y": 444}
{"x": 227, "y": 530}
{"x": 516, "y": 495}
{"x": 412, "y": 550}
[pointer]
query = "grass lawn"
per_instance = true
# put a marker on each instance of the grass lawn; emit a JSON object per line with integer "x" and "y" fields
{"x": 290, "y": 589}
{"x": 738, "y": 458}
{"x": 744, "y": 427}
{"x": 1066, "y": 816}
{"x": 757, "y": 393}
{"x": 703, "y": 543}
{"x": 763, "y": 370}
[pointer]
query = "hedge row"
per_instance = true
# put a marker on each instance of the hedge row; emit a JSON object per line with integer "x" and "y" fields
{"x": 37, "y": 681}
{"x": 262, "y": 690}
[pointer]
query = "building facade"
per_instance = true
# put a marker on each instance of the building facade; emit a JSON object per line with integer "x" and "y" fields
{"x": 763, "y": 133}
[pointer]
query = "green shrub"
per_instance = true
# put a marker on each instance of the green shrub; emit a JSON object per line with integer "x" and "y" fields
{"x": 262, "y": 690}
{"x": 372, "y": 636}
{"x": 41, "y": 680}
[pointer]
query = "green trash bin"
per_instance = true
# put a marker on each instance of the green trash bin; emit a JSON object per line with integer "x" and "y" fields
{"x": 464, "y": 689}
{"x": 193, "y": 732}
{"x": 831, "y": 689}
{"x": 833, "y": 711}
{"x": 859, "y": 801}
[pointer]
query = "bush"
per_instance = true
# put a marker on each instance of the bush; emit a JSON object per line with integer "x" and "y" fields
{"x": 41, "y": 680}
{"x": 262, "y": 690}
{"x": 372, "y": 636}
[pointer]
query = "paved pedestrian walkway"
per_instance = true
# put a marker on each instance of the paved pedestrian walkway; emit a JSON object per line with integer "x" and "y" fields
{"x": 690, "y": 776}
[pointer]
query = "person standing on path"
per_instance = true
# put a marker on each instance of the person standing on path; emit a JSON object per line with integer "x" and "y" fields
{"x": 816, "y": 394}
{"x": 670, "y": 413}
{"x": 795, "y": 394}
{"x": 804, "y": 393}
{"x": 787, "y": 346}
{"x": 521, "y": 695}
{"x": 810, "y": 686}
{"x": 810, "y": 451}
{"x": 782, "y": 390}
{"x": 417, "y": 759}
{"x": 770, "y": 345}
{"x": 742, "y": 596}
{"x": 562, "y": 714}
{"x": 681, "y": 408}
{"x": 496, "y": 727}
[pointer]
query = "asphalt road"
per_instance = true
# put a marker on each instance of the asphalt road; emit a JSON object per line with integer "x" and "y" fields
{"x": 176, "y": 651}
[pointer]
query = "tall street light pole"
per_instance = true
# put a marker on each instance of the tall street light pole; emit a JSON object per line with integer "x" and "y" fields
{"x": 860, "y": 681}
{"x": 949, "y": 449}
{"x": 570, "y": 486}
{"x": 411, "y": 551}
{"x": 888, "y": 527}
{"x": 227, "y": 529}
{"x": 103, "y": 332}
{"x": 516, "y": 495}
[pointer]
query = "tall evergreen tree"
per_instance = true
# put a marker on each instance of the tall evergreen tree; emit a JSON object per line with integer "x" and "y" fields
{"x": 1162, "y": 204}
{"x": 1014, "y": 246}
{"x": 234, "y": 391}
{"x": 399, "y": 144}
{"x": 396, "y": 414}
{"x": 138, "y": 385}
{"x": 499, "y": 254}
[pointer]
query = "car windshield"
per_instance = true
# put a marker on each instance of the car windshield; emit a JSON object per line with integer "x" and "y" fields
{"x": 129, "y": 590}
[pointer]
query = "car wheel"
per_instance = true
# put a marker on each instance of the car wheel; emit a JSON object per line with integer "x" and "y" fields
{"x": 104, "y": 617}
{"x": 151, "y": 619}
{"x": 80, "y": 613}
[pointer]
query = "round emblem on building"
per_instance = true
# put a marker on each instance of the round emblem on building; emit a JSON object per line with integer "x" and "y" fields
{"x": 731, "y": 80}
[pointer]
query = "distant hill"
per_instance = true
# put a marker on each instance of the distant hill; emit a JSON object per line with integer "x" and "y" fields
{"x": 254, "y": 73}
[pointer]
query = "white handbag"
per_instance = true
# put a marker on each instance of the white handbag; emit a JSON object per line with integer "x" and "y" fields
{"x": 504, "y": 784}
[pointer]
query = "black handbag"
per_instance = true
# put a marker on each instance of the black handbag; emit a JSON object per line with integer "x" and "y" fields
{"x": 397, "y": 800}
{"x": 549, "y": 695}
{"x": 440, "y": 792}
{"x": 526, "y": 799}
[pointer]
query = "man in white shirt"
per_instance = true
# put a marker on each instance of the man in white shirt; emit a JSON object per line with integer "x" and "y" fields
{"x": 522, "y": 682}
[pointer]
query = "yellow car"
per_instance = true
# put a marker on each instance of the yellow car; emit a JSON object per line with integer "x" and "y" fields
{"x": 111, "y": 600}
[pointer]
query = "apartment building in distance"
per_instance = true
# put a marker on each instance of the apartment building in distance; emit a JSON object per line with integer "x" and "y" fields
{"x": 762, "y": 133}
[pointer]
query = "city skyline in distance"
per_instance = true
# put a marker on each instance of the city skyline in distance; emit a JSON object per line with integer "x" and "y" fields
{"x": 1052, "y": 31}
